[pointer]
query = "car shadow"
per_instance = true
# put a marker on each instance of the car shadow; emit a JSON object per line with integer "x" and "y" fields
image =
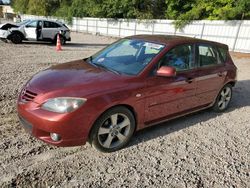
{"x": 36, "y": 43}
{"x": 241, "y": 98}
{"x": 68, "y": 44}
{"x": 84, "y": 45}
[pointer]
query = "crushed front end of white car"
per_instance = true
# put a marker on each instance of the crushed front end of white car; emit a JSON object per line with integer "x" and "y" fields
{"x": 5, "y": 30}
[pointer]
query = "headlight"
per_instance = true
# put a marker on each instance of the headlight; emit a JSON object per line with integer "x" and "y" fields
{"x": 63, "y": 104}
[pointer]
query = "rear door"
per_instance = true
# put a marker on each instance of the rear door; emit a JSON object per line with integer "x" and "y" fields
{"x": 211, "y": 73}
{"x": 167, "y": 97}
{"x": 50, "y": 29}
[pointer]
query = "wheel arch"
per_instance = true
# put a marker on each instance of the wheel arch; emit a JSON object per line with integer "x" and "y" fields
{"x": 60, "y": 35}
{"x": 129, "y": 107}
{"x": 232, "y": 83}
{"x": 16, "y": 32}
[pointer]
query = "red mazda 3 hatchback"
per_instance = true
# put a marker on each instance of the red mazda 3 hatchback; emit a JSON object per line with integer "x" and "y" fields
{"x": 133, "y": 83}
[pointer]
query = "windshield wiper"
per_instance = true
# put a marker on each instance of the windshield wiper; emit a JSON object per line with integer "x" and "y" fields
{"x": 106, "y": 68}
{"x": 89, "y": 60}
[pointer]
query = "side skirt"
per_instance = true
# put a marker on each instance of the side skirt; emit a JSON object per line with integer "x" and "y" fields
{"x": 148, "y": 124}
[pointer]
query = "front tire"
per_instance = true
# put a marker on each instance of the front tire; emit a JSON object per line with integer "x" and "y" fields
{"x": 113, "y": 130}
{"x": 16, "y": 38}
{"x": 223, "y": 99}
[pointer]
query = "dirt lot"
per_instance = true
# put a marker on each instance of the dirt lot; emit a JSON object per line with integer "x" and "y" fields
{"x": 205, "y": 149}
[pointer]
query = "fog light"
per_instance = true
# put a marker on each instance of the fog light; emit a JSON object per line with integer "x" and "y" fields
{"x": 55, "y": 137}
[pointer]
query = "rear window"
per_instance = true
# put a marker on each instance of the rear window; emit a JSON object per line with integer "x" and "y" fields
{"x": 65, "y": 26}
{"x": 208, "y": 56}
{"x": 48, "y": 24}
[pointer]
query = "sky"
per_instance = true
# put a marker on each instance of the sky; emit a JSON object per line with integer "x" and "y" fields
{"x": 6, "y": 1}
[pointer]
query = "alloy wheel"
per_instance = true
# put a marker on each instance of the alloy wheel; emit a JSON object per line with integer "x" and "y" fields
{"x": 224, "y": 98}
{"x": 114, "y": 131}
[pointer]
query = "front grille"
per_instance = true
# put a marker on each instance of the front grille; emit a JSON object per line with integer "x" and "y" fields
{"x": 28, "y": 95}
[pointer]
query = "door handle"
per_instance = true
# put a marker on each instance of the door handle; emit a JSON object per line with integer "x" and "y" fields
{"x": 189, "y": 80}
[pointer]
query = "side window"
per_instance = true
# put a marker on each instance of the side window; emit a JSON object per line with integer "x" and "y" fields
{"x": 32, "y": 24}
{"x": 40, "y": 24}
{"x": 48, "y": 24}
{"x": 223, "y": 53}
{"x": 208, "y": 56}
{"x": 180, "y": 57}
{"x": 54, "y": 25}
{"x": 45, "y": 24}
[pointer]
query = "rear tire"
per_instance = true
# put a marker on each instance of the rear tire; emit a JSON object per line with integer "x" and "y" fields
{"x": 16, "y": 38}
{"x": 223, "y": 99}
{"x": 62, "y": 40}
{"x": 113, "y": 130}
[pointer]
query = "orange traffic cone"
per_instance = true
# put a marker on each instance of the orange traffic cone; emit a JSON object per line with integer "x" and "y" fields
{"x": 58, "y": 43}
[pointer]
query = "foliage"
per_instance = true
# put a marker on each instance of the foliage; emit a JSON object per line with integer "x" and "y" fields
{"x": 20, "y": 6}
{"x": 63, "y": 10}
{"x": 1, "y": 11}
{"x": 181, "y": 11}
{"x": 184, "y": 12}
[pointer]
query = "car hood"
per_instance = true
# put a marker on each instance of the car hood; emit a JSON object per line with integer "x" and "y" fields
{"x": 7, "y": 26}
{"x": 77, "y": 75}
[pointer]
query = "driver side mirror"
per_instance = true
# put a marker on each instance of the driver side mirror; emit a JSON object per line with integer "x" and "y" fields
{"x": 166, "y": 71}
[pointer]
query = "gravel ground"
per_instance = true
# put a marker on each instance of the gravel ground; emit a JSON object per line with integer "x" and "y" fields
{"x": 205, "y": 149}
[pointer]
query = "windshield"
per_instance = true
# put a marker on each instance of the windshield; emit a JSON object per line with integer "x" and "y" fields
{"x": 127, "y": 56}
{"x": 23, "y": 22}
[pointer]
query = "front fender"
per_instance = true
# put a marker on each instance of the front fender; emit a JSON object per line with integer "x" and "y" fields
{"x": 4, "y": 34}
{"x": 102, "y": 103}
{"x": 13, "y": 32}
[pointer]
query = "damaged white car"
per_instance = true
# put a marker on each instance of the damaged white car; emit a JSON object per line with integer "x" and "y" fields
{"x": 35, "y": 30}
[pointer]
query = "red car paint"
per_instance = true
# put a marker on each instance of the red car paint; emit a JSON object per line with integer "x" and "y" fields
{"x": 152, "y": 98}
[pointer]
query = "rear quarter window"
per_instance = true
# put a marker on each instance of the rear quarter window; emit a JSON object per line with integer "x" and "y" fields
{"x": 208, "y": 56}
{"x": 48, "y": 24}
{"x": 65, "y": 26}
{"x": 223, "y": 53}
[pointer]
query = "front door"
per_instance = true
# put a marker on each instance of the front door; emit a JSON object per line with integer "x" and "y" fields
{"x": 31, "y": 30}
{"x": 171, "y": 96}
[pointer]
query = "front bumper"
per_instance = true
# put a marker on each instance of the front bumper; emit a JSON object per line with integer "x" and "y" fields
{"x": 72, "y": 129}
{"x": 4, "y": 34}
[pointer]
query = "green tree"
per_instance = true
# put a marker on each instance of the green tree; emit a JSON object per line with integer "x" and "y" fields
{"x": 43, "y": 7}
{"x": 20, "y": 6}
{"x": 182, "y": 11}
{"x": 64, "y": 10}
{"x": 185, "y": 12}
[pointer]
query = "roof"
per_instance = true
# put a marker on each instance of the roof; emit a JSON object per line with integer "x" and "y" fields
{"x": 44, "y": 19}
{"x": 166, "y": 39}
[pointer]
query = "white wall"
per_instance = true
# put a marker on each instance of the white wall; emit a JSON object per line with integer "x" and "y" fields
{"x": 236, "y": 33}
